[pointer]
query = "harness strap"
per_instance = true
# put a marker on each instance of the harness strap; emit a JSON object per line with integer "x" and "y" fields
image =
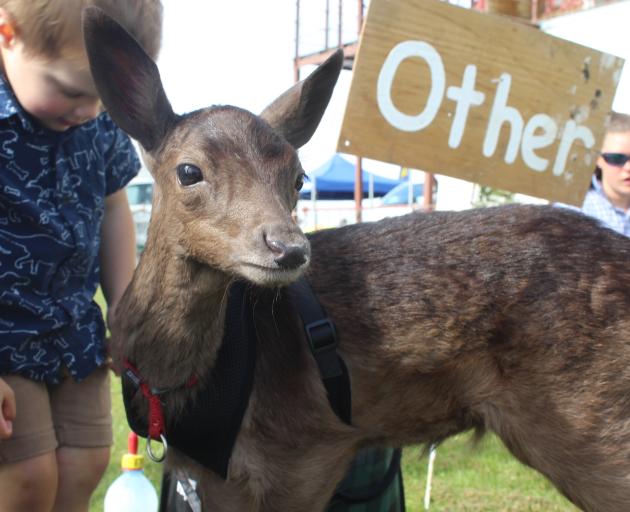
{"x": 322, "y": 339}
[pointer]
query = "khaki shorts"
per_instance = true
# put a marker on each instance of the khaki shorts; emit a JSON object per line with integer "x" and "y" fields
{"x": 74, "y": 414}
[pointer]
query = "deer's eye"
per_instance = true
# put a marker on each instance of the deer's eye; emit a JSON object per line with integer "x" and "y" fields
{"x": 299, "y": 182}
{"x": 188, "y": 174}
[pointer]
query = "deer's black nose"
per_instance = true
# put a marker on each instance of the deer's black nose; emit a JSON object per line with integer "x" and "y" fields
{"x": 287, "y": 256}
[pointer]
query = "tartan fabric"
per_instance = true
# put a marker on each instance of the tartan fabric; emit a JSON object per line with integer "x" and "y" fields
{"x": 367, "y": 471}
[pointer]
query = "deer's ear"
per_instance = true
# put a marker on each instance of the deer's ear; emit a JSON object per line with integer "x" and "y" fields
{"x": 296, "y": 114}
{"x": 127, "y": 79}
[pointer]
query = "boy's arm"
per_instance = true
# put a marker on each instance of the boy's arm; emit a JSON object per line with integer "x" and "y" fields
{"x": 118, "y": 250}
{"x": 7, "y": 410}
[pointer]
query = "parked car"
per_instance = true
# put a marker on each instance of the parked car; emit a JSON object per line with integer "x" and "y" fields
{"x": 396, "y": 202}
{"x": 334, "y": 213}
{"x": 400, "y": 194}
{"x": 140, "y": 196}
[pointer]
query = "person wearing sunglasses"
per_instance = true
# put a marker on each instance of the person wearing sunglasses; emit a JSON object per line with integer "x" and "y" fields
{"x": 608, "y": 199}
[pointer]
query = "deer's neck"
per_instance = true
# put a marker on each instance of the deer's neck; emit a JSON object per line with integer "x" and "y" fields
{"x": 173, "y": 316}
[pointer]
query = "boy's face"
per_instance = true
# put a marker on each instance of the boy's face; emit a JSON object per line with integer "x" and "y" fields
{"x": 59, "y": 93}
{"x": 616, "y": 178}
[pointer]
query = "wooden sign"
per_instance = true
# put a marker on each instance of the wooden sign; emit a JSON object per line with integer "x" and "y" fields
{"x": 479, "y": 97}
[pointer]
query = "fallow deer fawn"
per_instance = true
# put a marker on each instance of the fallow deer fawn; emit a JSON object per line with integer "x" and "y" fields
{"x": 514, "y": 319}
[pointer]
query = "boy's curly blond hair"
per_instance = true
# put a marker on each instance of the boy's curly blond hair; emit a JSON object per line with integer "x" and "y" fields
{"x": 52, "y": 28}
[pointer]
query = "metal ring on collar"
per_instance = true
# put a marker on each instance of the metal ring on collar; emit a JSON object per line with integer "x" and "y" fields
{"x": 162, "y": 456}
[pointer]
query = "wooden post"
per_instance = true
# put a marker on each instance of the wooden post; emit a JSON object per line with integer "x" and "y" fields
{"x": 427, "y": 198}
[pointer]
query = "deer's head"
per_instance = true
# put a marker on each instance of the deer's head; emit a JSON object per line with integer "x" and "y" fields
{"x": 226, "y": 180}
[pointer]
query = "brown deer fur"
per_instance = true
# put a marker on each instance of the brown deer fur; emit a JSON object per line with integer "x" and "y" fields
{"x": 513, "y": 319}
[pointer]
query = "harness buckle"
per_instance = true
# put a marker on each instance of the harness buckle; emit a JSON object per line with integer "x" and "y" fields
{"x": 321, "y": 336}
{"x": 133, "y": 377}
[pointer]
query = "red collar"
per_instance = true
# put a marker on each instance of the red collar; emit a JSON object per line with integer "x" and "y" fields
{"x": 156, "y": 413}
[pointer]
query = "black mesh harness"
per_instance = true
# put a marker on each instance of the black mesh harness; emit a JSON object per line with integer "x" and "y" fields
{"x": 207, "y": 428}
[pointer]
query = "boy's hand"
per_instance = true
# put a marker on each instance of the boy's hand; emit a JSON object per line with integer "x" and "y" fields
{"x": 7, "y": 410}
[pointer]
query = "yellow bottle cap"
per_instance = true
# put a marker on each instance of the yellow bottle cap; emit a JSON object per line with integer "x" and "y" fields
{"x": 132, "y": 461}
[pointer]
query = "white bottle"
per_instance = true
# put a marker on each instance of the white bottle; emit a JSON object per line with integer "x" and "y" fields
{"x": 132, "y": 491}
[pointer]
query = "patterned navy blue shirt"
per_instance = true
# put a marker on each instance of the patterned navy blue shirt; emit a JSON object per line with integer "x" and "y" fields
{"x": 52, "y": 191}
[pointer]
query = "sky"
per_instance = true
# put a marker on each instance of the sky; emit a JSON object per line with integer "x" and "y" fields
{"x": 240, "y": 52}
{"x": 227, "y": 52}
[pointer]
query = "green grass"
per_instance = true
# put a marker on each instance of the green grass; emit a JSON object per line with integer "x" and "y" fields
{"x": 467, "y": 477}
{"x": 478, "y": 477}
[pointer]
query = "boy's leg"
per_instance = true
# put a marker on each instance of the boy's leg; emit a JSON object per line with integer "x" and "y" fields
{"x": 82, "y": 417}
{"x": 80, "y": 471}
{"x": 29, "y": 484}
{"x": 28, "y": 466}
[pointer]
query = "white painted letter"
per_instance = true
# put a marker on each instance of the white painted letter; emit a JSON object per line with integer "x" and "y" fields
{"x": 464, "y": 96}
{"x": 571, "y": 132}
{"x": 501, "y": 113}
{"x": 531, "y": 141}
{"x": 399, "y": 53}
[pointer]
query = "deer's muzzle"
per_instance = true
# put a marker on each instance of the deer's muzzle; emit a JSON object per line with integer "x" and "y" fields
{"x": 288, "y": 256}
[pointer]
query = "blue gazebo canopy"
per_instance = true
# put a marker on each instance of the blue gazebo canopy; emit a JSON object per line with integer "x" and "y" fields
{"x": 335, "y": 180}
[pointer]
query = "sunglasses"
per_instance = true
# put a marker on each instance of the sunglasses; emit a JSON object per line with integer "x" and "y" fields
{"x": 615, "y": 159}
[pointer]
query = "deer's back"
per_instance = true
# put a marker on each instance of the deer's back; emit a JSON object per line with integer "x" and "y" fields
{"x": 470, "y": 300}
{"x": 456, "y": 264}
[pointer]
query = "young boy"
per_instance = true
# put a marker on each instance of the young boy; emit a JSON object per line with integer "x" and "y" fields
{"x": 609, "y": 197}
{"x": 65, "y": 226}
